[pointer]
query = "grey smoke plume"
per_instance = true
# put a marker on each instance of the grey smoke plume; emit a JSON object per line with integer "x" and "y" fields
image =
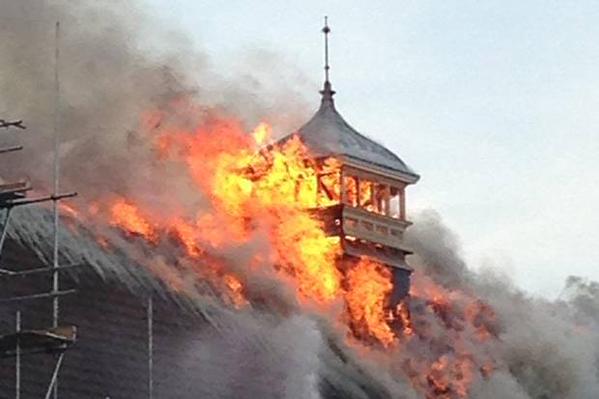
{"x": 543, "y": 349}
{"x": 263, "y": 357}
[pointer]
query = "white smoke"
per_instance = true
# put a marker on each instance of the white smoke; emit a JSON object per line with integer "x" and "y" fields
{"x": 257, "y": 356}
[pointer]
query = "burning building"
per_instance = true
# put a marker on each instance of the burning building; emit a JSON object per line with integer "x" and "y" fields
{"x": 222, "y": 267}
{"x": 126, "y": 323}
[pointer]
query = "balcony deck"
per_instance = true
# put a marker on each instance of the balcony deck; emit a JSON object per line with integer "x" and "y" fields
{"x": 348, "y": 221}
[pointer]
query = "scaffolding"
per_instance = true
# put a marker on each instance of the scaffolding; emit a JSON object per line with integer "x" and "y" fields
{"x": 56, "y": 339}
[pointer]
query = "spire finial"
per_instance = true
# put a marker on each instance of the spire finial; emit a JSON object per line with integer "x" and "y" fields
{"x": 327, "y": 92}
{"x": 326, "y": 30}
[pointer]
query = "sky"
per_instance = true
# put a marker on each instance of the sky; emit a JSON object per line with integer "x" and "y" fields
{"x": 494, "y": 103}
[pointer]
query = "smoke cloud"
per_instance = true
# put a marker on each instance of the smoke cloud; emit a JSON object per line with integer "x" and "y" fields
{"x": 543, "y": 349}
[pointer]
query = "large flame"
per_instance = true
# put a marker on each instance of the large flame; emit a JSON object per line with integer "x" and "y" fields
{"x": 369, "y": 286}
{"x": 250, "y": 193}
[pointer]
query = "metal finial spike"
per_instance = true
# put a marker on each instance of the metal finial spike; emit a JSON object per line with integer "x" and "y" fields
{"x": 327, "y": 91}
{"x": 326, "y": 30}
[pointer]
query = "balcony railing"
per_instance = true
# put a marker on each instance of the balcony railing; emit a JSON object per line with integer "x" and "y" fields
{"x": 360, "y": 224}
{"x": 373, "y": 227}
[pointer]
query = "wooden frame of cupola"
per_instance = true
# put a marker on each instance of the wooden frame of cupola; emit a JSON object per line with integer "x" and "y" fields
{"x": 364, "y": 203}
{"x": 381, "y": 196}
{"x": 366, "y": 188}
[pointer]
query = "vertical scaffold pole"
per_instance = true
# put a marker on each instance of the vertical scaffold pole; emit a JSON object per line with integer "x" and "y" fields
{"x": 150, "y": 309}
{"x": 18, "y": 357}
{"x": 4, "y": 231}
{"x": 55, "y": 263}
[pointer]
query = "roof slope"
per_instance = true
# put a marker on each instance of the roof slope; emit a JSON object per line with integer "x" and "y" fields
{"x": 111, "y": 356}
{"x": 327, "y": 133}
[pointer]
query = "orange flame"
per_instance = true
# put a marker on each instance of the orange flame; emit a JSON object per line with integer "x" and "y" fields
{"x": 236, "y": 290}
{"x": 369, "y": 286}
{"x": 403, "y": 313}
{"x": 129, "y": 217}
{"x": 262, "y": 133}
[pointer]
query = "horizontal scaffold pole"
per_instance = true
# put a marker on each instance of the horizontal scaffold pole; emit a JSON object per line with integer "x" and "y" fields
{"x": 29, "y": 201}
{"x": 44, "y": 295}
{"x": 11, "y": 149}
{"x": 4, "y": 273}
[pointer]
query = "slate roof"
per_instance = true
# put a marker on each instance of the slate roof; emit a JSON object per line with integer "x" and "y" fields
{"x": 110, "y": 359}
{"x": 328, "y": 134}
